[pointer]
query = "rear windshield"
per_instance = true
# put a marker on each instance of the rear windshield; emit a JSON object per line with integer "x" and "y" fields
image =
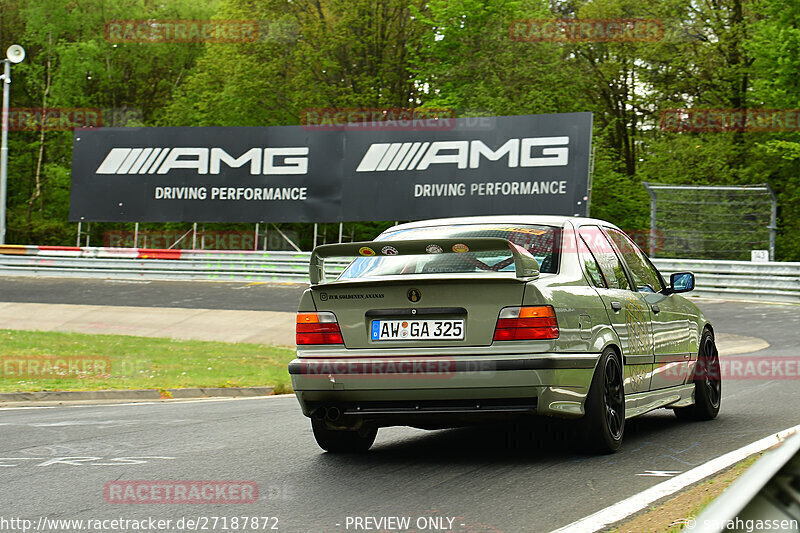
{"x": 540, "y": 241}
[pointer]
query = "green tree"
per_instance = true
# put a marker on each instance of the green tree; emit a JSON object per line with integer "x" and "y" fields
{"x": 71, "y": 64}
{"x": 311, "y": 54}
{"x": 775, "y": 48}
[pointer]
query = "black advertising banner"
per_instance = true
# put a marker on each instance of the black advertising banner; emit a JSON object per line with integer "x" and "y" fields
{"x": 531, "y": 164}
{"x": 209, "y": 174}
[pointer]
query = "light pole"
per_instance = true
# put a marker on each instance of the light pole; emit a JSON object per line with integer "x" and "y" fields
{"x": 14, "y": 54}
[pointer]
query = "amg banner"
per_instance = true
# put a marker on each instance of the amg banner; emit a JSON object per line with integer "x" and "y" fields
{"x": 532, "y": 164}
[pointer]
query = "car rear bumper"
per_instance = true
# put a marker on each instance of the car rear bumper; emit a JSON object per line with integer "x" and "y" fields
{"x": 399, "y": 389}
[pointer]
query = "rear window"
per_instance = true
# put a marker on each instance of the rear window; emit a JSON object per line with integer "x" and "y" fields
{"x": 539, "y": 241}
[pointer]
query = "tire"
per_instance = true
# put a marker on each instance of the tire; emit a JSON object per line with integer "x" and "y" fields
{"x": 344, "y": 441}
{"x": 604, "y": 421}
{"x": 707, "y": 383}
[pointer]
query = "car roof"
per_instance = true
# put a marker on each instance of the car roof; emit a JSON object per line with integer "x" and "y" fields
{"x": 546, "y": 220}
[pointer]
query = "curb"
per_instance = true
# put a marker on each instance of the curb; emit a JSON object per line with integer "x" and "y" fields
{"x": 733, "y": 344}
{"x": 136, "y": 394}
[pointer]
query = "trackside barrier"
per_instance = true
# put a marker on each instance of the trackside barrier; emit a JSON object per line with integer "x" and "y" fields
{"x": 776, "y": 282}
{"x": 739, "y": 280}
{"x": 155, "y": 264}
{"x": 764, "y": 497}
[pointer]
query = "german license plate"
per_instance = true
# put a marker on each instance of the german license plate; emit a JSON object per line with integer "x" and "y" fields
{"x": 422, "y": 330}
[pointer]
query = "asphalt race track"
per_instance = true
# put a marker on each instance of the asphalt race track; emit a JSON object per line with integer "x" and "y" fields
{"x": 55, "y": 462}
{"x": 189, "y": 294}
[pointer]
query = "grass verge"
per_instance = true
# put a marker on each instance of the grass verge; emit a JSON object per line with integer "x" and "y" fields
{"x": 670, "y": 516}
{"x": 46, "y": 361}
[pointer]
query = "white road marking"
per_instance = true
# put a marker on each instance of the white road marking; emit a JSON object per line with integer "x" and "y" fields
{"x": 659, "y": 473}
{"x": 637, "y": 502}
{"x": 88, "y": 460}
{"x": 129, "y": 403}
{"x": 169, "y": 401}
{"x": 31, "y": 407}
{"x": 85, "y": 460}
{"x": 4, "y": 459}
{"x": 103, "y": 423}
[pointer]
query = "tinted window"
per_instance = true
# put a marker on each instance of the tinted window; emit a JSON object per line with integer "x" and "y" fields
{"x": 645, "y": 275}
{"x": 590, "y": 264}
{"x": 539, "y": 241}
{"x": 606, "y": 257}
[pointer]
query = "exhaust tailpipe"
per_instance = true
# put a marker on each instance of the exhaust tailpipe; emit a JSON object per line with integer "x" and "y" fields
{"x": 334, "y": 414}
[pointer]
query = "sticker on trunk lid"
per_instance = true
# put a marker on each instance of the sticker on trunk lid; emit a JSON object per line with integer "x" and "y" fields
{"x": 433, "y": 249}
{"x": 324, "y": 296}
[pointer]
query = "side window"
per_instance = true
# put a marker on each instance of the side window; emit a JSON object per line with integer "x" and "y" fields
{"x": 601, "y": 248}
{"x": 590, "y": 264}
{"x": 645, "y": 276}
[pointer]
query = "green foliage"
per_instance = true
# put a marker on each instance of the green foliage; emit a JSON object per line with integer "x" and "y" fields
{"x": 71, "y": 64}
{"x": 342, "y": 53}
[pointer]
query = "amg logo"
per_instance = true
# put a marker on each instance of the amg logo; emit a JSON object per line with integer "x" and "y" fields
{"x": 203, "y": 160}
{"x": 420, "y": 155}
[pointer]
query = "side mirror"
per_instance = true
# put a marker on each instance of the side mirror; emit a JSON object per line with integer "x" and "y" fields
{"x": 681, "y": 282}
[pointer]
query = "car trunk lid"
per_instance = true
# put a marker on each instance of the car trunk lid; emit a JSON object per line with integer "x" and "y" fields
{"x": 419, "y": 311}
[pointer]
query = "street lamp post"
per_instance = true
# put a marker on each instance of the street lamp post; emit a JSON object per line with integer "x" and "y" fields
{"x": 15, "y": 54}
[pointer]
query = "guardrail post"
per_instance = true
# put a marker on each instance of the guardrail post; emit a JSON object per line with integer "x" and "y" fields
{"x": 773, "y": 222}
{"x": 287, "y": 239}
{"x": 652, "y": 239}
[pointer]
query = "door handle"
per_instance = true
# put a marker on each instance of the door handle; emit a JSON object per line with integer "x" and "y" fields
{"x": 616, "y": 306}
{"x": 656, "y": 309}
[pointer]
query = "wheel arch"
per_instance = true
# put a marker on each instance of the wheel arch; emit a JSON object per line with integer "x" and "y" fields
{"x": 605, "y": 337}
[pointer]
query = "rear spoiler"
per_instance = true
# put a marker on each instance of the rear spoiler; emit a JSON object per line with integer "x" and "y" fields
{"x": 525, "y": 264}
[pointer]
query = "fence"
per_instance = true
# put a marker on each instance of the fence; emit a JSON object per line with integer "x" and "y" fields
{"x": 710, "y": 221}
{"x": 777, "y": 282}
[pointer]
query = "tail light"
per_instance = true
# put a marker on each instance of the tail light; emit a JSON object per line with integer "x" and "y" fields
{"x": 318, "y": 328}
{"x": 526, "y": 323}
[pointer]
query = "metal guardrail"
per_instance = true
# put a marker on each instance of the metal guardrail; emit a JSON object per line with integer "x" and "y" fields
{"x": 766, "y": 492}
{"x": 776, "y": 282}
{"x": 739, "y": 280}
{"x": 142, "y": 264}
